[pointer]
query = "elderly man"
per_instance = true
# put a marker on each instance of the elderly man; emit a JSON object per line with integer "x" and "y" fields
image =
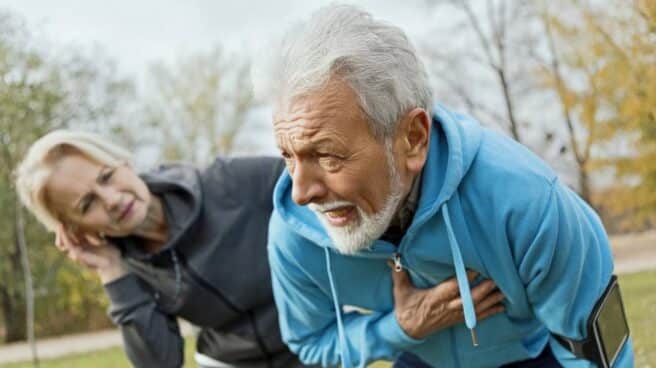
{"x": 387, "y": 195}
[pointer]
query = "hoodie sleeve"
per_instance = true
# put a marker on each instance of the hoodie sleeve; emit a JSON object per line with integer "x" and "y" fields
{"x": 151, "y": 338}
{"x": 307, "y": 317}
{"x": 563, "y": 257}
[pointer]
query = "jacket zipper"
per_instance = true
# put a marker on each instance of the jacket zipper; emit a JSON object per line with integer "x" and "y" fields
{"x": 398, "y": 267}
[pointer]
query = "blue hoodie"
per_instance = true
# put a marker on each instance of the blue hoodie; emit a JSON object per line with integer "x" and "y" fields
{"x": 487, "y": 204}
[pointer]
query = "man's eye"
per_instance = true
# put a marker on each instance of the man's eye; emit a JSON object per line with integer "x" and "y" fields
{"x": 329, "y": 156}
{"x": 330, "y": 161}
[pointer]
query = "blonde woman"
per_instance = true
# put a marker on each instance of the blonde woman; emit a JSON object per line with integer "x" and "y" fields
{"x": 172, "y": 242}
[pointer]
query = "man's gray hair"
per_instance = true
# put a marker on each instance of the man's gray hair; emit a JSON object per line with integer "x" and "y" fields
{"x": 375, "y": 58}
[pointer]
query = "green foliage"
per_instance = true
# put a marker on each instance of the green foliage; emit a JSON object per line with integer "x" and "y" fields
{"x": 39, "y": 93}
{"x": 110, "y": 358}
{"x": 194, "y": 110}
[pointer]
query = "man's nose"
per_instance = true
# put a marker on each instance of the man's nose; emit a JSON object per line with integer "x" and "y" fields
{"x": 109, "y": 196}
{"x": 307, "y": 184}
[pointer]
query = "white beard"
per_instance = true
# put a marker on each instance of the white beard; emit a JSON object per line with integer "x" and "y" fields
{"x": 360, "y": 234}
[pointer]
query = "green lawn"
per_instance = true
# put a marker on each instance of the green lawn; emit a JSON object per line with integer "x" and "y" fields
{"x": 639, "y": 294}
{"x": 638, "y": 291}
{"x": 109, "y": 358}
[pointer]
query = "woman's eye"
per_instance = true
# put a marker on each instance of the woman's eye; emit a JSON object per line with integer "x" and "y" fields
{"x": 107, "y": 175}
{"x": 86, "y": 204}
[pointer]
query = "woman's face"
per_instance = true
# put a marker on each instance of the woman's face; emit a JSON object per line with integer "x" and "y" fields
{"x": 97, "y": 198}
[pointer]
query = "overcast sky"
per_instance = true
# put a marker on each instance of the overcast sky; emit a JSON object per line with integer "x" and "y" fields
{"x": 138, "y": 33}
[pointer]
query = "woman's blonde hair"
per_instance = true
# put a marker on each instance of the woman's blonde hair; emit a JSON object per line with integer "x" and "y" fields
{"x": 33, "y": 173}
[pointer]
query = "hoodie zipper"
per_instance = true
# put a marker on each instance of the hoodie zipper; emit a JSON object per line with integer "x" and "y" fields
{"x": 398, "y": 267}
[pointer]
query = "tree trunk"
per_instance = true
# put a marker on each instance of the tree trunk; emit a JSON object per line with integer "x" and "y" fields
{"x": 510, "y": 110}
{"x": 584, "y": 184}
{"x": 29, "y": 285}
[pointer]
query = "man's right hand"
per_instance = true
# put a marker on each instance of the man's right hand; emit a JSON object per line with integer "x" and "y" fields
{"x": 421, "y": 312}
{"x": 91, "y": 251}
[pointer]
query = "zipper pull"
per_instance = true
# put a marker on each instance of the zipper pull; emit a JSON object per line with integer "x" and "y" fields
{"x": 398, "y": 267}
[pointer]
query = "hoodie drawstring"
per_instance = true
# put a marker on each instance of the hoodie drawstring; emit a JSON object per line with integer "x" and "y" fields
{"x": 463, "y": 286}
{"x": 461, "y": 276}
{"x": 346, "y": 356}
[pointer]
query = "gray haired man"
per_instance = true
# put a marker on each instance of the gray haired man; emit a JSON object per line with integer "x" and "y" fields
{"x": 379, "y": 176}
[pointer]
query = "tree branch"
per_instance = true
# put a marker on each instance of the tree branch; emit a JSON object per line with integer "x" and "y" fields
{"x": 560, "y": 87}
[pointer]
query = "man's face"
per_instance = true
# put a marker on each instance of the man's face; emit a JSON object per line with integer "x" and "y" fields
{"x": 346, "y": 175}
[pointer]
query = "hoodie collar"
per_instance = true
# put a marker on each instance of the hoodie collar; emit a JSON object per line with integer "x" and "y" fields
{"x": 179, "y": 187}
{"x": 441, "y": 178}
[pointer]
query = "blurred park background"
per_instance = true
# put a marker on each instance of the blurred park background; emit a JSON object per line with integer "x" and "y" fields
{"x": 574, "y": 80}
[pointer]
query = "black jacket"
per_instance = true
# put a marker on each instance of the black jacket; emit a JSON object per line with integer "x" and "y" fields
{"x": 213, "y": 271}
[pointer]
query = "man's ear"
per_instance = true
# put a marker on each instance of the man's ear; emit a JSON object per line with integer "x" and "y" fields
{"x": 414, "y": 139}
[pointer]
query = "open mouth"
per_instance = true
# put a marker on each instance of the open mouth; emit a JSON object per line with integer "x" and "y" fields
{"x": 340, "y": 216}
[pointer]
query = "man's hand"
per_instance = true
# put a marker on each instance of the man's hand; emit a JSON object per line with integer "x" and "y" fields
{"x": 420, "y": 312}
{"x": 91, "y": 251}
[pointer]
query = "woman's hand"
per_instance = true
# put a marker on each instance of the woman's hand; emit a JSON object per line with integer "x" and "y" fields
{"x": 91, "y": 251}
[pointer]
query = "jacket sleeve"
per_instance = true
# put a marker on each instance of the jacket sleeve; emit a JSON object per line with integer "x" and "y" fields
{"x": 564, "y": 261}
{"x": 308, "y": 323}
{"x": 151, "y": 338}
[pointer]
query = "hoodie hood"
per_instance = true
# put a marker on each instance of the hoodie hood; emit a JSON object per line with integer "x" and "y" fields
{"x": 179, "y": 187}
{"x": 454, "y": 143}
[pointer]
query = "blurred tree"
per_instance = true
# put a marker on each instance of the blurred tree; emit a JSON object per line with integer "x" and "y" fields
{"x": 197, "y": 107}
{"x": 577, "y": 48}
{"x": 40, "y": 92}
{"x": 629, "y": 39}
{"x": 570, "y": 71}
{"x": 486, "y": 65}
{"x": 604, "y": 72}
{"x": 498, "y": 37}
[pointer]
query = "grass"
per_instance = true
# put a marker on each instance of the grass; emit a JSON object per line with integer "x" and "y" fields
{"x": 639, "y": 294}
{"x": 638, "y": 291}
{"x": 108, "y": 358}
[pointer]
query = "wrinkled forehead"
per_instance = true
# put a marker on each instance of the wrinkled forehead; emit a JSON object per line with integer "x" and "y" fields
{"x": 332, "y": 113}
